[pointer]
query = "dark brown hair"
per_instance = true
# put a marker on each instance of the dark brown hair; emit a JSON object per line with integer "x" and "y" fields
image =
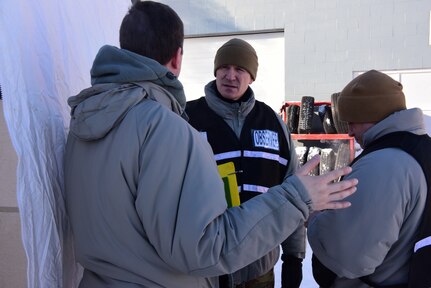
{"x": 152, "y": 30}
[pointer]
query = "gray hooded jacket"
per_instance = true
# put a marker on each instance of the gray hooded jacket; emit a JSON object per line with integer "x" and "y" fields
{"x": 376, "y": 235}
{"x": 143, "y": 193}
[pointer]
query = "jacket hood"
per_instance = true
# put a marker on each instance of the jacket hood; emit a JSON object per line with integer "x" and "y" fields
{"x": 121, "y": 79}
{"x": 114, "y": 65}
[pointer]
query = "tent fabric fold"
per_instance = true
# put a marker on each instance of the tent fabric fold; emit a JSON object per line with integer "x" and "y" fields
{"x": 46, "y": 51}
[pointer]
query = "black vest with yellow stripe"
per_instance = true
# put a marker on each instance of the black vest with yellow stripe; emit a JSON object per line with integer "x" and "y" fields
{"x": 261, "y": 155}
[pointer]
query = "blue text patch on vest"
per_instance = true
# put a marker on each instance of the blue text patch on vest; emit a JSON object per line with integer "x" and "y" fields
{"x": 266, "y": 139}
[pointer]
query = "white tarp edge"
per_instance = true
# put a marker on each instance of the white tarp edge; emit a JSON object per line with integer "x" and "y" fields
{"x": 46, "y": 51}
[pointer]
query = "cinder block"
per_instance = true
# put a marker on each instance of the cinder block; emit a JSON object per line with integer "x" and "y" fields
{"x": 8, "y": 164}
{"x": 13, "y": 263}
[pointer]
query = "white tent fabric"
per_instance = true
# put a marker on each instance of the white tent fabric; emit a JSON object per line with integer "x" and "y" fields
{"x": 46, "y": 51}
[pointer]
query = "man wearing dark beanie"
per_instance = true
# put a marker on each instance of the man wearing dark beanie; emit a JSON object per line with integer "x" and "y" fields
{"x": 249, "y": 134}
{"x": 383, "y": 239}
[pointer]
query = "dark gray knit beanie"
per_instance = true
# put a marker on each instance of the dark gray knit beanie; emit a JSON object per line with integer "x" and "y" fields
{"x": 239, "y": 53}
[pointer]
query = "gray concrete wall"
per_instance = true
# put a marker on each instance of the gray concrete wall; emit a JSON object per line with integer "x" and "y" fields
{"x": 224, "y": 16}
{"x": 326, "y": 41}
{"x": 13, "y": 262}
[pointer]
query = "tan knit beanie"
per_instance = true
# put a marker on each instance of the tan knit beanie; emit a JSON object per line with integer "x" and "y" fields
{"x": 370, "y": 97}
{"x": 237, "y": 52}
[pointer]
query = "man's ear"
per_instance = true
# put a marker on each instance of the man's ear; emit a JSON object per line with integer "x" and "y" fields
{"x": 178, "y": 58}
{"x": 174, "y": 65}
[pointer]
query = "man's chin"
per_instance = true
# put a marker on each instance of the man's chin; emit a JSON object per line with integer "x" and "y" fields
{"x": 230, "y": 96}
{"x": 229, "y": 92}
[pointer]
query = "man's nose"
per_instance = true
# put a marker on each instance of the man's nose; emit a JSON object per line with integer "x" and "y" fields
{"x": 230, "y": 74}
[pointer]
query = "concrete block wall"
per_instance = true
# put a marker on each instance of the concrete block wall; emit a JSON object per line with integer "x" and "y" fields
{"x": 225, "y": 16}
{"x": 13, "y": 262}
{"x": 326, "y": 41}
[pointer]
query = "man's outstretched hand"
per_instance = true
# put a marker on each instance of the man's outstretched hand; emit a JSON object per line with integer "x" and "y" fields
{"x": 324, "y": 193}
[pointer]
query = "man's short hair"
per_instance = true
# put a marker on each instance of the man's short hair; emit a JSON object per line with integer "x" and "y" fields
{"x": 152, "y": 30}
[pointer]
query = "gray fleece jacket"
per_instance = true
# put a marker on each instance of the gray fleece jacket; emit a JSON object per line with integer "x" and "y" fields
{"x": 143, "y": 193}
{"x": 376, "y": 234}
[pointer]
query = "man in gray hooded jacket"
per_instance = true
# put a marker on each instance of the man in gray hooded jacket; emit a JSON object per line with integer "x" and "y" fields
{"x": 143, "y": 193}
{"x": 371, "y": 243}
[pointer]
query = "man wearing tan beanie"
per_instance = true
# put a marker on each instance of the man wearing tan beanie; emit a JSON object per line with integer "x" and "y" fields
{"x": 249, "y": 134}
{"x": 380, "y": 238}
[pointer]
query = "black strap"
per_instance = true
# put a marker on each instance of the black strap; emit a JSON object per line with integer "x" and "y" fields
{"x": 323, "y": 276}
